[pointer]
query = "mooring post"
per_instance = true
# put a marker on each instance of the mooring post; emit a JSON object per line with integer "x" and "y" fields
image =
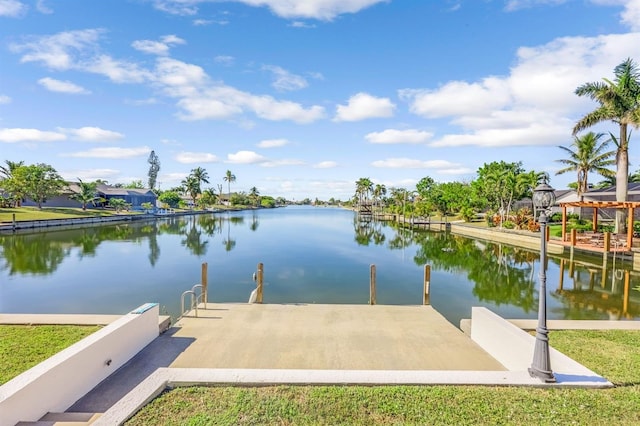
{"x": 427, "y": 284}
{"x": 260, "y": 282}
{"x": 204, "y": 282}
{"x": 372, "y": 284}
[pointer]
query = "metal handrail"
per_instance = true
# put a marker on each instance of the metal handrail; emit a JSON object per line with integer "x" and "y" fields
{"x": 199, "y": 298}
{"x": 194, "y": 299}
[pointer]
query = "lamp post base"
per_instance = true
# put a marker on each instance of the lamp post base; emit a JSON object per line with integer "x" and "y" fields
{"x": 545, "y": 376}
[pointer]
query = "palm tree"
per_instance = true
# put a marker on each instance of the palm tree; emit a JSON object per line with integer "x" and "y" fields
{"x": 200, "y": 174}
{"x": 87, "y": 193}
{"x": 619, "y": 102}
{"x": 378, "y": 192}
{"x": 191, "y": 186}
{"x": 7, "y": 171}
{"x": 363, "y": 187}
{"x": 11, "y": 166}
{"x": 254, "y": 195}
{"x": 229, "y": 177}
{"x": 590, "y": 155}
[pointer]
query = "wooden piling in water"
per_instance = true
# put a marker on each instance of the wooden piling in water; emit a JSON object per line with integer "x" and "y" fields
{"x": 260, "y": 277}
{"x": 204, "y": 282}
{"x": 427, "y": 284}
{"x": 372, "y": 285}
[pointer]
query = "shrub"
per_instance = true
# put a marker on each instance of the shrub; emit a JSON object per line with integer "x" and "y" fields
{"x": 508, "y": 224}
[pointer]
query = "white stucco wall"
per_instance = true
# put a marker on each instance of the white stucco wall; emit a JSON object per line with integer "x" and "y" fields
{"x": 56, "y": 383}
{"x": 493, "y": 333}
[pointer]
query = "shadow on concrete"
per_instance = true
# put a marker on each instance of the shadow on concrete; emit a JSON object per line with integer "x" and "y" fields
{"x": 159, "y": 353}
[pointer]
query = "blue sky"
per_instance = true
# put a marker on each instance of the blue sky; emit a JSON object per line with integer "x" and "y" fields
{"x": 302, "y": 98}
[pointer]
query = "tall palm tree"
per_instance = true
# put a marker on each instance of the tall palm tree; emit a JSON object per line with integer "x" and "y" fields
{"x": 191, "y": 186}
{"x": 254, "y": 195}
{"x": 619, "y": 102}
{"x": 589, "y": 155}
{"x": 200, "y": 174}
{"x": 363, "y": 187}
{"x": 379, "y": 191}
{"x": 229, "y": 177}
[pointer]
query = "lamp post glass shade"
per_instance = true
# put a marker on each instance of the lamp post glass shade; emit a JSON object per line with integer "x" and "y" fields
{"x": 544, "y": 196}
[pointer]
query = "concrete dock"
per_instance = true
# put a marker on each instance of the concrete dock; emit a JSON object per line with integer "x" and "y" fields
{"x": 309, "y": 336}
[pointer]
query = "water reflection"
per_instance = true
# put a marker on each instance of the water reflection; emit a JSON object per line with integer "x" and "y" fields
{"x": 310, "y": 256}
{"x": 41, "y": 253}
{"x": 368, "y": 231}
{"x": 501, "y": 274}
{"x": 591, "y": 291}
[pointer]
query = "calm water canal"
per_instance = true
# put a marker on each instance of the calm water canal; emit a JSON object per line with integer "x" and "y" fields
{"x": 310, "y": 255}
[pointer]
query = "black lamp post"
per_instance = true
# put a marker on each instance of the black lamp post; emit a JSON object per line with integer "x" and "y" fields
{"x": 543, "y": 199}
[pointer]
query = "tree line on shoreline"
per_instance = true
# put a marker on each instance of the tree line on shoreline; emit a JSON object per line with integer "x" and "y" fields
{"x": 41, "y": 182}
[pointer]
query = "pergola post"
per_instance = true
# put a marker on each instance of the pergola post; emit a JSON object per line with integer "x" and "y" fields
{"x": 629, "y": 228}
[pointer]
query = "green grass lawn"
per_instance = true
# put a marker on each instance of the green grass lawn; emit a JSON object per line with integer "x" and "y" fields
{"x": 23, "y": 346}
{"x": 33, "y": 213}
{"x": 614, "y": 354}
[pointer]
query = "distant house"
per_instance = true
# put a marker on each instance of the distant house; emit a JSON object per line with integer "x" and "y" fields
{"x": 134, "y": 196}
{"x": 599, "y": 195}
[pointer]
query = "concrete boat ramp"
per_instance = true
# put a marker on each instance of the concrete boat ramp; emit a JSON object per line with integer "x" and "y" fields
{"x": 269, "y": 344}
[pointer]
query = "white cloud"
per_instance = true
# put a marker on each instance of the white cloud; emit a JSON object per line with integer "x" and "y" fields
{"x": 283, "y": 80}
{"x": 4, "y": 99}
{"x": 141, "y": 102}
{"x": 535, "y": 103}
{"x": 631, "y": 14}
{"x": 325, "y": 165}
{"x": 412, "y": 163}
{"x": 89, "y": 174}
{"x": 157, "y": 47}
{"x": 196, "y": 157}
{"x": 513, "y": 5}
{"x": 363, "y": 106}
{"x": 29, "y": 135}
{"x": 43, "y": 8}
{"x": 245, "y": 157}
{"x": 202, "y": 22}
{"x": 301, "y": 24}
{"x": 12, "y": 8}
{"x": 283, "y": 162}
{"x": 117, "y": 71}
{"x": 458, "y": 97}
{"x": 532, "y": 134}
{"x": 111, "y": 153}
{"x": 151, "y": 46}
{"x": 324, "y": 10}
{"x": 59, "y": 86}
{"x": 58, "y": 51}
{"x": 225, "y": 60}
{"x": 272, "y": 143}
{"x": 92, "y": 134}
{"x": 392, "y": 136}
{"x": 197, "y": 96}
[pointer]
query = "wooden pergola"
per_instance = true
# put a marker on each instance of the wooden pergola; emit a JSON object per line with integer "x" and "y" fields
{"x": 595, "y": 205}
